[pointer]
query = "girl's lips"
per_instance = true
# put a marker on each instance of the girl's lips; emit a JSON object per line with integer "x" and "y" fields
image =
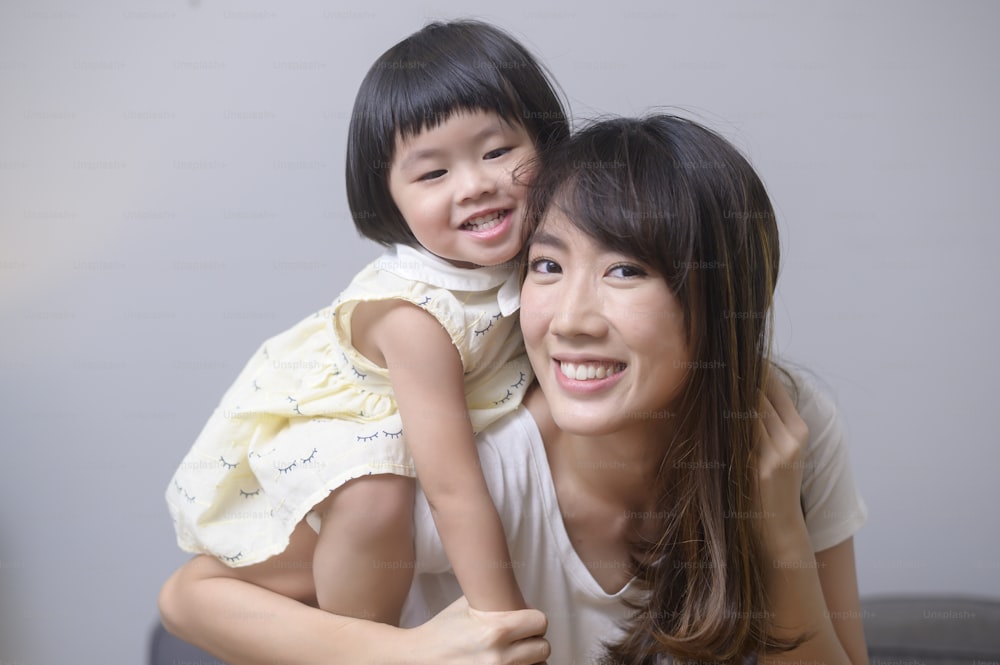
{"x": 493, "y": 228}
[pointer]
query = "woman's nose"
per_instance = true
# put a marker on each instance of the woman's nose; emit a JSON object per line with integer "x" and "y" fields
{"x": 578, "y": 311}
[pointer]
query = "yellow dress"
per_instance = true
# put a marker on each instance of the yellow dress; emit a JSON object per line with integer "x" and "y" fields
{"x": 308, "y": 412}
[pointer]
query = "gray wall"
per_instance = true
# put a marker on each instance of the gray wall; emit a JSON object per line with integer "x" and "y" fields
{"x": 171, "y": 194}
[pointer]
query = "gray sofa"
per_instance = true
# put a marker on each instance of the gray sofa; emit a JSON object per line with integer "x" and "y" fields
{"x": 932, "y": 630}
{"x": 901, "y": 630}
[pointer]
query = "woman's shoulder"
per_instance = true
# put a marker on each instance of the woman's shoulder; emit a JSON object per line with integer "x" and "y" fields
{"x": 812, "y": 397}
{"x": 515, "y": 432}
{"x": 833, "y": 506}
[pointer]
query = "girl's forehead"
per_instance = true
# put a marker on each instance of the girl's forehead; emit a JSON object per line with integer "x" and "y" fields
{"x": 432, "y": 121}
{"x": 459, "y": 130}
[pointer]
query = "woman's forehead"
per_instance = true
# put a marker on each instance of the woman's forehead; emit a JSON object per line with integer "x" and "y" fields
{"x": 560, "y": 229}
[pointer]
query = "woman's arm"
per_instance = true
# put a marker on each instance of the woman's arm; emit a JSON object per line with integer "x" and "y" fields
{"x": 839, "y": 581}
{"x": 250, "y": 616}
{"x": 427, "y": 378}
{"x": 815, "y": 595}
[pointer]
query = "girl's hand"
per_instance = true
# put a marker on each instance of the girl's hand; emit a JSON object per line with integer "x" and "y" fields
{"x": 460, "y": 635}
{"x": 783, "y": 436}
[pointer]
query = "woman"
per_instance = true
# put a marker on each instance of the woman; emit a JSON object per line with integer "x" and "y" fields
{"x": 659, "y": 490}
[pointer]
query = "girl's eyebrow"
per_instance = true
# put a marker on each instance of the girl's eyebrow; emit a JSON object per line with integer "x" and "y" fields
{"x": 430, "y": 153}
{"x": 419, "y": 155}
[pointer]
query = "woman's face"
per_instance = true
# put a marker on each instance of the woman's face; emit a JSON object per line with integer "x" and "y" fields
{"x": 604, "y": 333}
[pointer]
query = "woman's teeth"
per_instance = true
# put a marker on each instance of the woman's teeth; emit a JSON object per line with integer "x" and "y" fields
{"x": 588, "y": 371}
{"x": 484, "y": 223}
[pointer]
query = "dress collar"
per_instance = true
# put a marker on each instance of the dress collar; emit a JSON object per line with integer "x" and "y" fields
{"x": 418, "y": 264}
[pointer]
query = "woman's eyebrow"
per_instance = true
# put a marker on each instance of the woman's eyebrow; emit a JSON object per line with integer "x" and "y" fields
{"x": 547, "y": 239}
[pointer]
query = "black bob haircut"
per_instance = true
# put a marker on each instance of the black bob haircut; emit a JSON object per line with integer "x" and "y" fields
{"x": 422, "y": 81}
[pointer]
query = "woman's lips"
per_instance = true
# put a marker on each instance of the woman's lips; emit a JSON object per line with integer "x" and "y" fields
{"x": 586, "y": 376}
{"x": 588, "y": 371}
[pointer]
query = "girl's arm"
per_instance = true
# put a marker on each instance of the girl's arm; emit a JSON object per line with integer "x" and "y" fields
{"x": 256, "y": 616}
{"x": 815, "y": 595}
{"x": 426, "y": 373}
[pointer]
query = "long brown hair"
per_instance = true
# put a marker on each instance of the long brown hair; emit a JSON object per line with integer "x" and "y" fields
{"x": 682, "y": 200}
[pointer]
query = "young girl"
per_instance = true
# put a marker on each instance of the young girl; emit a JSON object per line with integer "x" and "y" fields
{"x": 671, "y": 493}
{"x": 331, "y": 419}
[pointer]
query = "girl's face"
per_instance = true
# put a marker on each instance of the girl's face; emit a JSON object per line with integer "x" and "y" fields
{"x": 605, "y": 334}
{"x": 454, "y": 185}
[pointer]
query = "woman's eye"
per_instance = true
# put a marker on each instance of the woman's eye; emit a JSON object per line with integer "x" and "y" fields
{"x": 544, "y": 266}
{"x": 627, "y": 271}
{"x": 499, "y": 152}
{"x": 432, "y": 175}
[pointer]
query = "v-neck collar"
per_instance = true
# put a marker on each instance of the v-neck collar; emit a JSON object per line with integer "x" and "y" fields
{"x": 571, "y": 560}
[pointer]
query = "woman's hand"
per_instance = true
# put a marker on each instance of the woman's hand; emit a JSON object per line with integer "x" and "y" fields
{"x": 460, "y": 634}
{"x": 783, "y": 436}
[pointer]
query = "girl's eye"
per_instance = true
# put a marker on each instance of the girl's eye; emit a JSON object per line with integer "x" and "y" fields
{"x": 499, "y": 152}
{"x": 627, "y": 271}
{"x": 432, "y": 175}
{"x": 544, "y": 266}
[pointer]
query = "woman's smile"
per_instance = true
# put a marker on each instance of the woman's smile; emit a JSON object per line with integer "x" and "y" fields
{"x": 590, "y": 370}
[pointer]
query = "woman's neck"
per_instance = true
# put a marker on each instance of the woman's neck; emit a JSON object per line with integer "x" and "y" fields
{"x": 606, "y": 490}
{"x": 618, "y": 469}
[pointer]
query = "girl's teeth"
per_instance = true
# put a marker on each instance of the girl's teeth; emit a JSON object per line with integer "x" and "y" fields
{"x": 484, "y": 223}
{"x": 588, "y": 371}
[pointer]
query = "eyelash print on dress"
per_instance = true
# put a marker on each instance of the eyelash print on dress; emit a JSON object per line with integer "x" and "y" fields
{"x": 232, "y": 559}
{"x": 287, "y": 468}
{"x": 227, "y": 465}
{"x": 189, "y": 497}
{"x": 495, "y": 317}
{"x": 423, "y": 303}
{"x": 504, "y": 398}
{"x": 393, "y": 435}
{"x": 353, "y": 368}
{"x": 312, "y": 455}
{"x": 247, "y": 495}
{"x": 370, "y": 437}
{"x": 520, "y": 382}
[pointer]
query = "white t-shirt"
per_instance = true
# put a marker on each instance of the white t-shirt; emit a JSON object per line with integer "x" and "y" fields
{"x": 550, "y": 573}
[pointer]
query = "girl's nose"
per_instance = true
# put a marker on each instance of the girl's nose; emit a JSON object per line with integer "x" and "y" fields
{"x": 477, "y": 181}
